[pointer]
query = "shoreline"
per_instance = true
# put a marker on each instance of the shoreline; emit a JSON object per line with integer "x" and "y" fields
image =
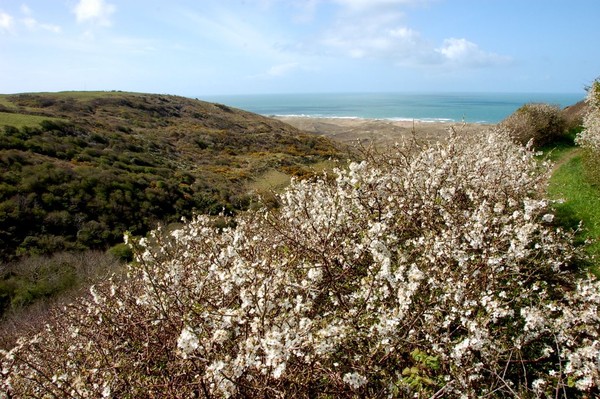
{"x": 379, "y": 132}
{"x": 394, "y": 119}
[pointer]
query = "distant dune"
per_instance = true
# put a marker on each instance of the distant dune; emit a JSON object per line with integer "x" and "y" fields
{"x": 380, "y": 132}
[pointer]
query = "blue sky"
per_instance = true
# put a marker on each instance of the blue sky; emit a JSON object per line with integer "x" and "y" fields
{"x": 213, "y": 47}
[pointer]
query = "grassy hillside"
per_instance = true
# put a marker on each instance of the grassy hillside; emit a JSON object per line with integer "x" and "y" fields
{"x": 80, "y": 168}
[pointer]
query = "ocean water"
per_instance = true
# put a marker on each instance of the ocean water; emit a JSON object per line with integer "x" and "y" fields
{"x": 451, "y": 107}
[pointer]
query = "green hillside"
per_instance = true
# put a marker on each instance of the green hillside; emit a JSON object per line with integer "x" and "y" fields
{"x": 78, "y": 169}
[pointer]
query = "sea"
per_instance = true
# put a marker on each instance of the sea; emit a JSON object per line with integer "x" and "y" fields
{"x": 427, "y": 107}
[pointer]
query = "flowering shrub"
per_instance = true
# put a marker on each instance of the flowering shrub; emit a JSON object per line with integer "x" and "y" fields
{"x": 539, "y": 123}
{"x": 590, "y": 137}
{"x": 431, "y": 273}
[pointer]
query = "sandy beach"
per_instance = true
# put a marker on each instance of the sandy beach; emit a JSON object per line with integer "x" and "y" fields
{"x": 379, "y": 132}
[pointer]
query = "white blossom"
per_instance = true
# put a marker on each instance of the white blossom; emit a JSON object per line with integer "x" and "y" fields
{"x": 188, "y": 341}
{"x": 355, "y": 380}
{"x": 548, "y": 218}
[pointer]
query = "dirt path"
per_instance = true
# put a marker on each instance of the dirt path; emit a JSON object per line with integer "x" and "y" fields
{"x": 570, "y": 154}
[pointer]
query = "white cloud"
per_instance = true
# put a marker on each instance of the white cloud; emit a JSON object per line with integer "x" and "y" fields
{"x": 6, "y": 22}
{"x": 95, "y": 11}
{"x": 466, "y": 53}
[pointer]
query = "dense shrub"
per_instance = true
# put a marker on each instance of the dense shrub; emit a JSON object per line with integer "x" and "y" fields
{"x": 589, "y": 138}
{"x": 38, "y": 278}
{"x": 433, "y": 273}
{"x": 540, "y": 123}
{"x": 574, "y": 114}
{"x": 102, "y": 164}
{"x": 122, "y": 252}
{"x": 91, "y": 198}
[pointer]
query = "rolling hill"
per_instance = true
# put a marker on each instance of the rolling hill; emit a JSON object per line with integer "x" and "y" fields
{"x": 78, "y": 169}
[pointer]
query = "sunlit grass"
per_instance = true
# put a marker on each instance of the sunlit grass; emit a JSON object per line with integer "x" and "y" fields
{"x": 4, "y": 101}
{"x": 271, "y": 180}
{"x": 21, "y": 120}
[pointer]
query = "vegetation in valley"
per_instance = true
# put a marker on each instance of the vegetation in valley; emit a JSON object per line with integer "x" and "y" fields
{"x": 80, "y": 169}
{"x": 35, "y": 285}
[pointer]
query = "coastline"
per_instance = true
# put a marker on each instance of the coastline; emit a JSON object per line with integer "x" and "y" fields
{"x": 481, "y": 107}
{"x": 379, "y": 132}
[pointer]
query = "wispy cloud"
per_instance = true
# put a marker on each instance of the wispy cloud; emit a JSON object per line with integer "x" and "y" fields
{"x": 233, "y": 35}
{"x": 33, "y": 24}
{"x": 370, "y": 4}
{"x": 282, "y": 69}
{"x": 97, "y": 12}
{"x": 10, "y": 24}
{"x": 281, "y": 72}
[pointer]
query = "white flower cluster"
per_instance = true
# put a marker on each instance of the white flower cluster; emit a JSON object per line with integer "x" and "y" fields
{"x": 187, "y": 341}
{"x": 427, "y": 272}
{"x": 355, "y": 380}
